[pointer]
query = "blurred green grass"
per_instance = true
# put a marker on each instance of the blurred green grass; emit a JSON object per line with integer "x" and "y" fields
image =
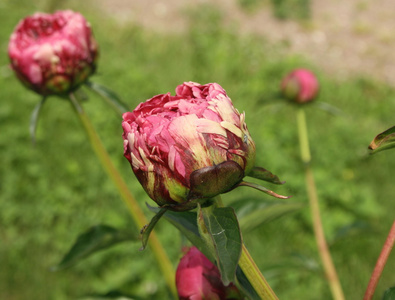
{"x": 54, "y": 191}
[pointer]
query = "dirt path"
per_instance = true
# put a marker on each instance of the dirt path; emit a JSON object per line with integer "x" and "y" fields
{"x": 344, "y": 37}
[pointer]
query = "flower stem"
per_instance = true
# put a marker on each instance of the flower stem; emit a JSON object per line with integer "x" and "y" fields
{"x": 251, "y": 270}
{"x": 323, "y": 249}
{"x": 255, "y": 276}
{"x": 135, "y": 210}
{"x": 381, "y": 261}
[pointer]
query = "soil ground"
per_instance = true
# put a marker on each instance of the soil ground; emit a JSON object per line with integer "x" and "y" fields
{"x": 344, "y": 37}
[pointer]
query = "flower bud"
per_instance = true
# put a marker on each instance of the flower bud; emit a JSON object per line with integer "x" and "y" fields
{"x": 300, "y": 86}
{"x": 53, "y": 54}
{"x": 194, "y": 145}
{"x": 197, "y": 278}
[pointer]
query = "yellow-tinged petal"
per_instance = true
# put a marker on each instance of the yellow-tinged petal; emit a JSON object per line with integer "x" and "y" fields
{"x": 171, "y": 157}
{"x": 209, "y": 126}
{"x": 183, "y": 130}
{"x": 137, "y": 163}
{"x": 147, "y": 162}
{"x": 224, "y": 107}
{"x": 232, "y": 128}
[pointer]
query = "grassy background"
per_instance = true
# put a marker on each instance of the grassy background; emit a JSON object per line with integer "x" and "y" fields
{"x": 52, "y": 192}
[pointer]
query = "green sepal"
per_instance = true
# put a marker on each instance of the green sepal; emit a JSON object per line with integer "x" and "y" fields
{"x": 34, "y": 119}
{"x": 211, "y": 181}
{"x": 111, "y": 97}
{"x": 291, "y": 90}
{"x": 383, "y": 141}
{"x": 96, "y": 238}
{"x": 146, "y": 230}
{"x": 263, "y": 189}
{"x": 266, "y": 175}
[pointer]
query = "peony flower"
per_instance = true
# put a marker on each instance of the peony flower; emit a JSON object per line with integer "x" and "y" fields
{"x": 194, "y": 145}
{"x": 197, "y": 278}
{"x": 300, "y": 86}
{"x": 53, "y": 54}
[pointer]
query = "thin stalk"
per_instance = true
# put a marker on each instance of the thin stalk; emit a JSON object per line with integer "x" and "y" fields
{"x": 323, "y": 249}
{"x": 255, "y": 276}
{"x": 134, "y": 208}
{"x": 381, "y": 261}
{"x": 251, "y": 270}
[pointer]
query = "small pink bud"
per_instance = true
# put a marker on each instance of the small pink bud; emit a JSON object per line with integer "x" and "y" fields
{"x": 197, "y": 278}
{"x": 53, "y": 53}
{"x": 300, "y": 86}
{"x": 189, "y": 146}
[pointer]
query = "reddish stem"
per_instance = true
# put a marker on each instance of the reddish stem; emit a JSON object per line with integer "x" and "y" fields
{"x": 381, "y": 261}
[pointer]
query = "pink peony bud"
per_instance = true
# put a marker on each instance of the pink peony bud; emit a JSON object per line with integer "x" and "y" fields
{"x": 300, "y": 86}
{"x": 53, "y": 54}
{"x": 190, "y": 146}
{"x": 197, "y": 278}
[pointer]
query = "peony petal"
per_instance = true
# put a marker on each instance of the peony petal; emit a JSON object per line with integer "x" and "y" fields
{"x": 208, "y": 126}
{"x": 137, "y": 163}
{"x": 232, "y": 128}
{"x": 179, "y": 165}
{"x": 171, "y": 158}
{"x": 147, "y": 162}
{"x": 183, "y": 131}
{"x": 223, "y": 106}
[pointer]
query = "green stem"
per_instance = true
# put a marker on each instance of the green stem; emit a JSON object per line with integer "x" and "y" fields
{"x": 255, "y": 276}
{"x": 251, "y": 270}
{"x": 135, "y": 210}
{"x": 323, "y": 249}
{"x": 381, "y": 261}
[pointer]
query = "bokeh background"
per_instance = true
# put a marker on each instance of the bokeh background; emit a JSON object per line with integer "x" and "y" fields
{"x": 53, "y": 191}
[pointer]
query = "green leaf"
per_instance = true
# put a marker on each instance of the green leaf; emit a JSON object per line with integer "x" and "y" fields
{"x": 389, "y": 294}
{"x": 95, "y": 239}
{"x": 223, "y": 227}
{"x": 109, "y": 96}
{"x": 147, "y": 229}
{"x": 266, "y": 175}
{"x": 383, "y": 141}
{"x": 255, "y": 212}
{"x": 205, "y": 234}
{"x": 186, "y": 223}
{"x": 34, "y": 119}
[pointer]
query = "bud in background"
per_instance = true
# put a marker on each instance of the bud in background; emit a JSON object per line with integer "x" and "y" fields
{"x": 300, "y": 86}
{"x": 53, "y": 54}
{"x": 197, "y": 278}
{"x": 193, "y": 145}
